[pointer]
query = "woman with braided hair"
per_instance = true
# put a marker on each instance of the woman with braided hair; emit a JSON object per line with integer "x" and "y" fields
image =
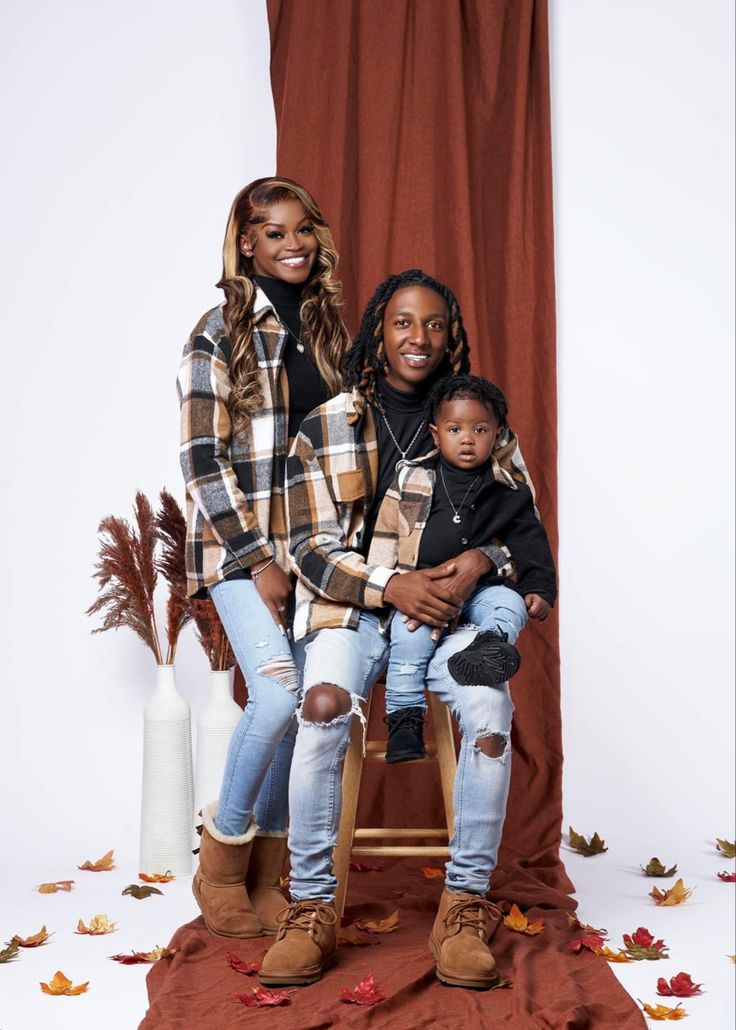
{"x": 251, "y": 370}
{"x": 342, "y": 461}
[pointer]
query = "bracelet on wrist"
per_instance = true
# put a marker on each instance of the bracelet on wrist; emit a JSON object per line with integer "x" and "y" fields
{"x": 255, "y": 573}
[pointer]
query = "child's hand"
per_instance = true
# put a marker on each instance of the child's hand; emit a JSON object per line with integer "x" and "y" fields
{"x": 537, "y": 607}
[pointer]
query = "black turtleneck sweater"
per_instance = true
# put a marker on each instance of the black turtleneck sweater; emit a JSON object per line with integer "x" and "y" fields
{"x": 488, "y": 511}
{"x": 405, "y": 413}
{"x": 306, "y": 387}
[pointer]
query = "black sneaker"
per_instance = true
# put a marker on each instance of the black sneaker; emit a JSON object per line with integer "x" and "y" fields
{"x": 405, "y": 735}
{"x": 487, "y": 661}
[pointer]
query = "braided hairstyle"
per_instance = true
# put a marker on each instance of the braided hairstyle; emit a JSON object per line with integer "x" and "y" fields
{"x": 367, "y": 353}
{"x": 466, "y": 387}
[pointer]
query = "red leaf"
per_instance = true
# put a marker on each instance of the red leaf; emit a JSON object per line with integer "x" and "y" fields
{"x": 364, "y": 993}
{"x": 236, "y": 963}
{"x": 130, "y": 960}
{"x": 680, "y": 986}
{"x": 642, "y": 937}
{"x": 727, "y": 877}
{"x": 260, "y": 997}
{"x": 365, "y": 867}
{"x": 590, "y": 941}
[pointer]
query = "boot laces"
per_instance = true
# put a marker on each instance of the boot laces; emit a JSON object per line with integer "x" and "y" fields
{"x": 471, "y": 914}
{"x": 414, "y": 717}
{"x": 305, "y": 915}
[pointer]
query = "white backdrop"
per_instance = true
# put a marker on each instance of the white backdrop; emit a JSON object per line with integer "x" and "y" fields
{"x": 130, "y": 128}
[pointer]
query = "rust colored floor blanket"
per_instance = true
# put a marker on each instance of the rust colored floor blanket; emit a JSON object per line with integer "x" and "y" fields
{"x": 551, "y": 987}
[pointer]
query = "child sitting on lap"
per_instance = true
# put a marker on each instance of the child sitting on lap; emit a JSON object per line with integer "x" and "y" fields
{"x": 439, "y": 506}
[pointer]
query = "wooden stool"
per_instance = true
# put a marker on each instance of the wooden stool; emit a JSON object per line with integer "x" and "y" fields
{"x": 441, "y": 751}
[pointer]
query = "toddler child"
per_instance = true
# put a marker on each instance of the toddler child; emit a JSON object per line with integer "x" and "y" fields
{"x": 455, "y": 499}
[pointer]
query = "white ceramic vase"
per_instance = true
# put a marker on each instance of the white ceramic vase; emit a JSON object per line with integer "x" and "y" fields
{"x": 215, "y": 725}
{"x": 167, "y": 802}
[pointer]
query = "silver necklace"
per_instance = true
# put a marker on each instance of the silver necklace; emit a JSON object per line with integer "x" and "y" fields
{"x": 411, "y": 443}
{"x": 297, "y": 339}
{"x": 456, "y": 517}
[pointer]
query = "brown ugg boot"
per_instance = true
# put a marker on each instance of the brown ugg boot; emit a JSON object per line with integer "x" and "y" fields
{"x": 305, "y": 945}
{"x": 459, "y": 940}
{"x": 267, "y": 860}
{"x": 219, "y": 883}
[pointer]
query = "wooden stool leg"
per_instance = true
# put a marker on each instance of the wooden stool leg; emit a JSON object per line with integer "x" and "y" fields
{"x": 351, "y": 776}
{"x": 446, "y": 757}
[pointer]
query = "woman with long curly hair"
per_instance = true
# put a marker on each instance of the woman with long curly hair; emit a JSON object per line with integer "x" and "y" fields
{"x": 252, "y": 369}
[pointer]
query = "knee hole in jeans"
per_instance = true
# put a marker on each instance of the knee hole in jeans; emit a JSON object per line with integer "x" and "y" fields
{"x": 325, "y": 702}
{"x": 492, "y": 746}
{"x": 282, "y": 670}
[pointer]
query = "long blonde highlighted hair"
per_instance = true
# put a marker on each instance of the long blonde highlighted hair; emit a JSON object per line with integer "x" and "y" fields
{"x": 324, "y": 333}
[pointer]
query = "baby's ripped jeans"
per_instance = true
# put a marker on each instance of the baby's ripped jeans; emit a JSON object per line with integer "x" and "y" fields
{"x": 353, "y": 659}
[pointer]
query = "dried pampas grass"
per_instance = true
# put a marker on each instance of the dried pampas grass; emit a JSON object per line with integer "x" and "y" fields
{"x": 211, "y": 635}
{"x": 171, "y": 563}
{"x": 126, "y": 575}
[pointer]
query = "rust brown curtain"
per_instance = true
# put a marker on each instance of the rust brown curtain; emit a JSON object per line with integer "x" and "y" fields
{"x": 423, "y": 129}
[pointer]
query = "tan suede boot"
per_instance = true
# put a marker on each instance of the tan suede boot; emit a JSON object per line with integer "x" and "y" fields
{"x": 459, "y": 940}
{"x": 267, "y": 860}
{"x": 219, "y": 883}
{"x": 305, "y": 945}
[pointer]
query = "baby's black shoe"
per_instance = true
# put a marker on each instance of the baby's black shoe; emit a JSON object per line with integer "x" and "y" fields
{"x": 487, "y": 661}
{"x": 405, "y": 735}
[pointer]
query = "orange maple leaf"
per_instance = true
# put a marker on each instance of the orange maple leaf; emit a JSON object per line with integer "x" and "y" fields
{"x": 57, "y": 885}
{"x": 518, "y": 922}
{"x": 674, "y": 896}
{"x": 32, "y": 942}
{"x": 166, "y": 877}
{"x": 387, "y": 925}
{"x": 63, "y": 985}
{"x": 612, "y": 956}
{"x": 97, "y": 925}
{"x": 430, "y": 872}
{"x": 662, "y": 1012}
{"x": 102, "y": 865}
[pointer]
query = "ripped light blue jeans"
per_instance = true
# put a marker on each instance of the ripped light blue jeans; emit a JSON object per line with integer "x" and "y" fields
{"x": 497, "y": 608}
{"x": 354, "y": 659}
{"x": 256, "y": 778}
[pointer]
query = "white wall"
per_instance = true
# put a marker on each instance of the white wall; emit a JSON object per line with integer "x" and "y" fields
{"x": 131, "y": 128}
{"x": 643, "y": 140}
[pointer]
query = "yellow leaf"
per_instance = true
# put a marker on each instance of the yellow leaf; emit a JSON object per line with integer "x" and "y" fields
{"x": 166, "y": 877}
{"x": 726, "y": 847}
{"x": 674, "y": 896}
{"x": 63, "y": 985}
{"x": 57, "y": 885}
{"x": 612, "y": 956}
{"x": 159, "y": 953}
{"x": 662, "y": 1012}
{"x": 102, "y": 865}
{"x": 31, "y": 942}
{"x": 387, "y": 925}
{"x": 518, "y": 922}
{"x": 97, "y": 925}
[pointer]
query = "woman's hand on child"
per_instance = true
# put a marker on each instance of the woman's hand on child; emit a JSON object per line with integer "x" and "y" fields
{"x": 537, "y": 607}
{"x": 274, "y": 586}
{"x": 424, "y": 596}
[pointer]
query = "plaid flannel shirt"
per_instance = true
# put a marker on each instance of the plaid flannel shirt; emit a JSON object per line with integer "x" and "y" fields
{"x": 332, "y": 472}
{"x": 234, "y": 482}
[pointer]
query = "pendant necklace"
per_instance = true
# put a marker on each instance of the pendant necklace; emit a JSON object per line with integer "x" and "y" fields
{"x": 456, "y": 517}
{"x": 296, "y": 339}
{"x": 411, "y": 443}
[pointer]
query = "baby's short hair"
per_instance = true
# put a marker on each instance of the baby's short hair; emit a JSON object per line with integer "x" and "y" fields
{"x": 467, "y": 387}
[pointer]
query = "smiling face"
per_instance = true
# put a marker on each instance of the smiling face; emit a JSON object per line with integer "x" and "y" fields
{"x": 283, "y": 246}
{"x": 415, "y": 327}
{"x": 465, "y": 432}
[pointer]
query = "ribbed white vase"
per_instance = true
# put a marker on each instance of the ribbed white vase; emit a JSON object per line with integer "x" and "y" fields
{"x": 167, "y": 801}
{"x": 215, "y": 725}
